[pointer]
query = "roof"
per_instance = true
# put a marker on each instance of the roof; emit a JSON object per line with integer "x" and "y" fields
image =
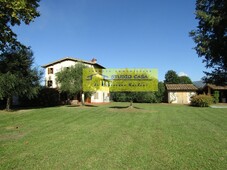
{"x": 215, "y": 87}
{"x": 199, "y": 84}
{"x": 73, "y": 59}
{"x": 181, "y": 87}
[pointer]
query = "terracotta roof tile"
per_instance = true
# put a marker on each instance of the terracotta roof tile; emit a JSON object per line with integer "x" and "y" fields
{"x": 214, "y": 87}
{"x": 72, "y": 59}
{"x": 181, "y": 87}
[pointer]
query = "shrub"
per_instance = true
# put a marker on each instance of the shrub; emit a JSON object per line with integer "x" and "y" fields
{"x": 47, "y": 97}
{"x": 216, "y": 96}
{"x": 144, "y": 97}
{"x": 2, "y": 103}
{"x": 201, "y": 100}
{"x": 118, "y": 97}
{"x": 136, "y": 97}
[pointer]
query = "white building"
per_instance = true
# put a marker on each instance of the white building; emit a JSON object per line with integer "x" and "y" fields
{"x": 180, "y": 93}
{"x": 52, "y": 68}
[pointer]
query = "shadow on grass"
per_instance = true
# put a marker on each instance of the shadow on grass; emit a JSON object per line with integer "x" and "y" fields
{"x": 19, "y": 108}
{"x": 24, "y": 108}
{"x": 86, "y": 105}
{"x": 124, "y": 107}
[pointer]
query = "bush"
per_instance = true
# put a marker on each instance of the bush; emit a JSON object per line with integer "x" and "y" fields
{"x": 47, "y": 97}
{"x": 118, "y": 97}
{"x": 141, "y": 97}
{"x": 216, "y": 96}
{"x": 160, "y": 94}
{"x": 202, "y": 100}
{"x": 144, "y": 97}
{"x": 136, "y": 97}
{"x": 2, "y": 103}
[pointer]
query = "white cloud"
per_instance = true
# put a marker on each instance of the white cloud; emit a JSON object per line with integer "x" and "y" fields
{"x": 182, "y": 74}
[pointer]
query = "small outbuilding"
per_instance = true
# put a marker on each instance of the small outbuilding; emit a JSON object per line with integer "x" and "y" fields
{"x": 180, "y": 93}
{"x": 211, "y": 88}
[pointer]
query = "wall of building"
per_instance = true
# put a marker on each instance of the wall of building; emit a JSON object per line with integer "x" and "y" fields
{"x": 57, "y": 68}
{"x": 180, "y": 97}
{"x": 100, "y": 96}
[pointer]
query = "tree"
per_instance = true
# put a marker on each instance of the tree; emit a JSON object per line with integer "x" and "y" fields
{"x": 47, "y": 97}
{"x": 13, "y": 12}
{"x": 160, "y": 94}
{"x": 17, "y": 76}
{"x": 141, "y": 97}
{"x": 210, "y": 37}
{"x": 70, "y": 80}
{"x": 184, "y": 80}
{"x": 134, "y": 85}
{"x": 171, "y": 77}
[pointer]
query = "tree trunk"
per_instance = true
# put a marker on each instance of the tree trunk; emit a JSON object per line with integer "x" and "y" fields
{"x": 82, "y": 98}
{"x": 8, "y": 103}
{"x": 131, "y": 102}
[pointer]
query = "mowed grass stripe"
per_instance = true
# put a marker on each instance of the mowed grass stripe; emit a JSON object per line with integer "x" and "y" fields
{"x": 194, "y": 138}
{"x": 51, "y": 132}
{"x": 151, "y": 137}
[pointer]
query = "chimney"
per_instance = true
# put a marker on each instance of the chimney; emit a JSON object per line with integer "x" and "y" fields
{"x": 94, "y": 60}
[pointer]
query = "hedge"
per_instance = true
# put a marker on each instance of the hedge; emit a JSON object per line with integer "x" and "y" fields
{"x": 202, "y": 100}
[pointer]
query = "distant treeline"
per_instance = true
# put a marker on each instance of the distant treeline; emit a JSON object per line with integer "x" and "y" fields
{"x": 141, "y": 97}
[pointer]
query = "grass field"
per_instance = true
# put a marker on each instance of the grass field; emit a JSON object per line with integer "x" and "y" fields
{"x": 150, "y": 136}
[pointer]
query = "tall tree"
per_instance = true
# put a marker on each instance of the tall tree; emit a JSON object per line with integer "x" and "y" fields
{"x": 160, "y": 94}
{"x": 171, "y": 77}
{"x": 210, "y": 37}
{"x": 70, "y": 80}
{"x": 17, "y": 75}
{"x": 184, "y": 80}
{"x": 13, "y": 12}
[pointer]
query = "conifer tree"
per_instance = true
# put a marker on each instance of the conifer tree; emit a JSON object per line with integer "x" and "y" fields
{"x": 210, "y": 37}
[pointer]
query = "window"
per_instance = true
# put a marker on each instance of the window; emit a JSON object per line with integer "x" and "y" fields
{"x": 50, "y": 70}
{"x": 49, "y": 83}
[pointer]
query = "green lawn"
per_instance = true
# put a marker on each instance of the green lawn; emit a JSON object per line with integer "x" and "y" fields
{"x": 151, "y": 136}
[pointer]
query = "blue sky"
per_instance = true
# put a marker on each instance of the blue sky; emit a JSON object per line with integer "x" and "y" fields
{"x": 118, "y": 33}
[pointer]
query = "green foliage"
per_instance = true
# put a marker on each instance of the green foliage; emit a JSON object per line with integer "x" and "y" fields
{"x": 118, "y": 96}
{"x": 202, "y": 100}
{"x": 211, "y": 38}
{"x": 171, "y": 77}
{"x": 159, "y": 96}
{"x": 13, "y": 12}
{"x": 70, "y": 79}
{"x": 144, "y": 97}
{"x": 8, "y": 82}
{"x": 184, "y": 80}
{"x": 46, "y": 97}
{"x": 17, "y": 76}
{"x": 140, "y": 97}
{"x": 216, "y": 96}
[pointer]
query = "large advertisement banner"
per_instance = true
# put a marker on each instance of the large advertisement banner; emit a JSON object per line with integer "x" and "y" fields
{"x": 120, "y": 80}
